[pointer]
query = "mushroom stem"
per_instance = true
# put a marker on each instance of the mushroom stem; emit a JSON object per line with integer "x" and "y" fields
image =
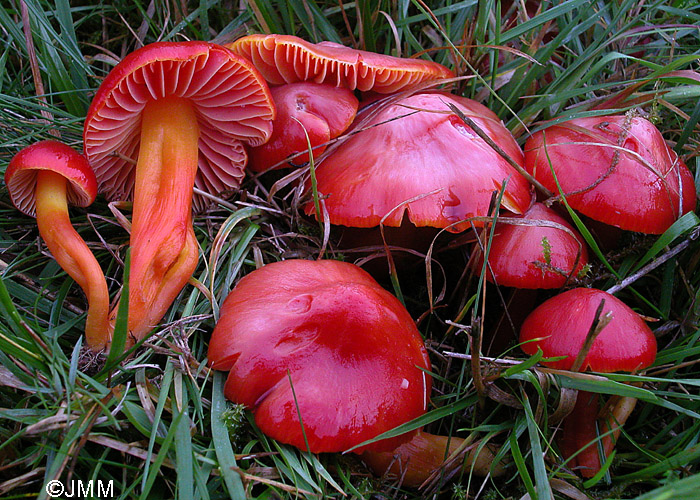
{"x": 578, "y": 435}
{"x": 419, "y": 459}
{"x": 579, "y": 430}
{"x": 164, "y": 249}
{"x": 614, "y": 419}
{"x": 72, "y": 254}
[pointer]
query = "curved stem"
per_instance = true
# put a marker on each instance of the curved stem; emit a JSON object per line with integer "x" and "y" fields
{"x": 72, "y": 254}
{"x": 621, "y": 409}
{"x": 417, "y": 460}
{"x": 164, "y": 250}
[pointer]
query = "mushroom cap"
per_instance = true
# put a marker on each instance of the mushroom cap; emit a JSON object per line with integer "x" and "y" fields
{"x": 642, "y": 191}
{"x": 288, "y": 59}
{"x": 411, "y": 148}
{"x": 354, "y": 356}
{"x": 231, "y": 100}
{"x": 20, "y": 175}
{"x": 559, "y": 327}
{"x": 323, "y": 110}
{"x": 518, "y": 250}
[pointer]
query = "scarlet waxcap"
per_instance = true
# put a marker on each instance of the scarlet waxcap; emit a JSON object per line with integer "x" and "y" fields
{"x": 287, "y": 59}
{"x": 614, "y": 169}
{"x": 535, "y": 255}
{"x": 230, "y": 97}
{"x": 560, "y": 325}
{"x": 323, "y": 339}
{"x": 417, "y": 149}
{"x": 319, "y": 110}
{"x": 20, "y": 176}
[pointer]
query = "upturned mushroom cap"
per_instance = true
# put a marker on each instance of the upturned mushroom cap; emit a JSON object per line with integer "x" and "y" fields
{"x": 416, "y": 149}
{"x": 323, "y": 111}
{"x": 535, "y": 255}
{"x": 324, "y": 340}
{"x": 643, "y": 187}
{"x": 20, "y": 176}
{"x": 287, "y": 59}
{"x": 231, "y": 100}
{"x": 560, "y": 325}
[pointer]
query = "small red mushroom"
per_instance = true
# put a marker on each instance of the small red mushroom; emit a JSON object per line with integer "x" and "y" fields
{"x": 42, "y": 180}
{"x": 172, "y": 107}
{"x": 539, "y": 250}
{"x": 321, "y": 341}
{"x": 559, "y": 327}
{"x": 535, "y": 254}
{"x": 415, "y": 155}
{"x": 320, "y": 110}
{"x": 614, "y": 169}
{"x": 287, "y": 59}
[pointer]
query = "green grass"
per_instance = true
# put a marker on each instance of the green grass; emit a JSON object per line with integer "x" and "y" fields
{"x": 157, "y": 424}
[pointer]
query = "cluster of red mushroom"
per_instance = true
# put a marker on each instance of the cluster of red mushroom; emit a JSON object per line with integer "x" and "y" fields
{"x": 297, "y": 336}
{"x": 413, "y": 156}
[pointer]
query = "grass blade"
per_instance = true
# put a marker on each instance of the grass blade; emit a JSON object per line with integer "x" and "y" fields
{"x": 222, "y": 442}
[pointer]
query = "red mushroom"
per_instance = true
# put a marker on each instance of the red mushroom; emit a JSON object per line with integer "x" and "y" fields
{"x": 417, "y": 153}
{"x": 306, "y": 74}
{"x": 321, "y": 341}
{"x": 559, "y": 327}
{"x": 173, "y": 107}
{"x": 539, "y": 250}
{"x": 614, "y": 169}
{"x": 319, "y": 110}
{"x": 535, "y": 254}
{"x": 42, "y": 180}
{"x": 288, "y": 59}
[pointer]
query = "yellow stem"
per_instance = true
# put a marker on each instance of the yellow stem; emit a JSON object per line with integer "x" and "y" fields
{"x": 164, "y": 249}
{"x": 72, "y": 254}
{"x": 621, "y": 407}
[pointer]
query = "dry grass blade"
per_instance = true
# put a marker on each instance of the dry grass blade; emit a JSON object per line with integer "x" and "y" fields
{"x": 600, "y": 321}
{"x": 128, "y": 449}
{"x": 484, "y": 136}
{"x": 567, "y": 401}
{"x": 655, "y": 263}
{"x": 21, "y": 480}
{"x": 566, "y": 488}
{"x": 8, "y": 379}
{"x": 284, "y": 487}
